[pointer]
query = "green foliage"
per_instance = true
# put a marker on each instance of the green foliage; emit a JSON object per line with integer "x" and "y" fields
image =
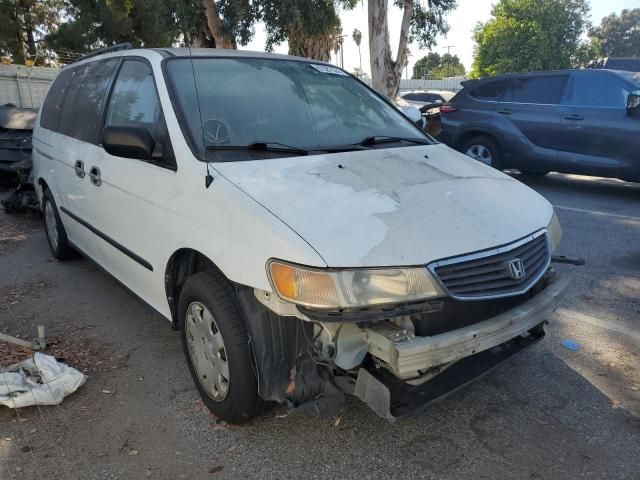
{"x": 96, "y": 23}
{"x": 428, "y": 20}
{"x": 618, "y": 36}
{"x": 23, "y": 25}
{"x": 435, "y": 66}
{"x": 314, "y": 17}
{"x": 529, "y": 35}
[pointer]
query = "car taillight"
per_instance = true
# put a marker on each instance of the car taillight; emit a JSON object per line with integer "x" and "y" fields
{"x": 448, "y": 108}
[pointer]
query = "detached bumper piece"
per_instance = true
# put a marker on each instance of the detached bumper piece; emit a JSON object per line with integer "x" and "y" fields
{"x": 393, "y": 399}
{"x": 475, "y": 349}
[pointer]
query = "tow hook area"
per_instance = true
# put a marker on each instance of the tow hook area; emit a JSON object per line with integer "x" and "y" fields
{"x": 392, "y": 398}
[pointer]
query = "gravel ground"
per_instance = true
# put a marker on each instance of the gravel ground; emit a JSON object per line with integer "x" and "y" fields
{"x": 546, "y": 413}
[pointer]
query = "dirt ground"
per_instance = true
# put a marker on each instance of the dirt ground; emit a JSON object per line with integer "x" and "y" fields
{"x": 547, "y": 413}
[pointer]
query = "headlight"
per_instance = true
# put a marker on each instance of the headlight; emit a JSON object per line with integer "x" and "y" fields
{"x": 320, "y": 288}
{"x": 554, "y": 232}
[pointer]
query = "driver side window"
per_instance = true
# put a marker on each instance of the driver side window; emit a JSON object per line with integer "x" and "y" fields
{"x": 134, "y": 101}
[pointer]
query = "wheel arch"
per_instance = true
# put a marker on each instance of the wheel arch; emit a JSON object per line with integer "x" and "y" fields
{"x": 182, "y": 264}
{"x": 467, "y": 135}
{"x": 41, "y": 185}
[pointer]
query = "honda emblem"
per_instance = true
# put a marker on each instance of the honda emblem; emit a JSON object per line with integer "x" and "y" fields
{"x": 515, "y": 268}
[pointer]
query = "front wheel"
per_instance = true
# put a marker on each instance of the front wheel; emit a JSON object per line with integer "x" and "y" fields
{"x": 484, "y": 149}
{"x": 217, "y": 349}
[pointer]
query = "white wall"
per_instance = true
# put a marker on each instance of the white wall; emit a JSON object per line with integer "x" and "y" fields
{"x": 25, "y": 86}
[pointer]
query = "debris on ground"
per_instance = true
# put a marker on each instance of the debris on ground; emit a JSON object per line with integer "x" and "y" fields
{"x": 571, "y": 345}
{"x": 38, "y": 380}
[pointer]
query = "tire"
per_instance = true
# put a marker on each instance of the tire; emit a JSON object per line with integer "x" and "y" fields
{"x": 483, "y": 144}
{"x": 532, "y": 173}
{"x": 54, "y": 229}
{"x": 233, "y": 398}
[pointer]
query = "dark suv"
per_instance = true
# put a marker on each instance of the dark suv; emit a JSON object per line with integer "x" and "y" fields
{"x": 572, "y": 121}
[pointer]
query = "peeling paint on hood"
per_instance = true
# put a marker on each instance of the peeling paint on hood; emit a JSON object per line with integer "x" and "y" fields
{"x": 393, "y": 206}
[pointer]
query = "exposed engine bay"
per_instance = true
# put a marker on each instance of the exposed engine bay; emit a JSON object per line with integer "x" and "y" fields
{"x": 396, "y": 363}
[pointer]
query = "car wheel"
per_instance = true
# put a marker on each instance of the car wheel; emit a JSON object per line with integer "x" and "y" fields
{"x": 483, "y": 149}
{"x": 534, "y": 173}
{"x": 54, "y": 229}
{"x": 216, "y": 346}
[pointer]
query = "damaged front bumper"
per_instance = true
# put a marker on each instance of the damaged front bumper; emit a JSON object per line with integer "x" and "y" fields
{"x": 471, "y": 351}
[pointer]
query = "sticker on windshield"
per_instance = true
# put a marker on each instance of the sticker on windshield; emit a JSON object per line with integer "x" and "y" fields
{"x": 327, "y": 69}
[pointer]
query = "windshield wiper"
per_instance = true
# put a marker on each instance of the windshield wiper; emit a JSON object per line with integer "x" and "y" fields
{"x": 378, "y": 139}
{"x": 262, "y": 146}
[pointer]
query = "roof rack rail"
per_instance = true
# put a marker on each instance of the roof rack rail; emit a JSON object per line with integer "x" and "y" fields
{"x": 112, "y": 48}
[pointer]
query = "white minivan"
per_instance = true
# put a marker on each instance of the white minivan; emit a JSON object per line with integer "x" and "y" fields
{"x": 305, "y": 237}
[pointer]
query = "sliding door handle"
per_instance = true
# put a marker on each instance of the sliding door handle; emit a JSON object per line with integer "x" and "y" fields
{"x": 79, "y": 168}
{"x": 95, "y": 176}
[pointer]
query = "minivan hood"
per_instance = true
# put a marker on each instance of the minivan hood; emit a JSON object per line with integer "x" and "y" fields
{"x": 393, "y": 206}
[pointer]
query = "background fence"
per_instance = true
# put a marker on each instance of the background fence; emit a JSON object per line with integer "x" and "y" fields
{"x": 27, "y": 86}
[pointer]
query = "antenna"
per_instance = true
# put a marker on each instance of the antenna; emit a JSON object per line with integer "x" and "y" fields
{"x": 208, "y": 179}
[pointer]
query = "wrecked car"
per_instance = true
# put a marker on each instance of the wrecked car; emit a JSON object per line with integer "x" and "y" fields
{"x": 304, "y": 236}
{"x": 16, "y": 128}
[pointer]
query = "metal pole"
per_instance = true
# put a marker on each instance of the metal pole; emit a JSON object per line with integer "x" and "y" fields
{"x": 19, "y": 89}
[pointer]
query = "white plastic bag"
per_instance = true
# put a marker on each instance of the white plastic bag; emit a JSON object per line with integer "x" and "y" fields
{"x": 39, "y": 380}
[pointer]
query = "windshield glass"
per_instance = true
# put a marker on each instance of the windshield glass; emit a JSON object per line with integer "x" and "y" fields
{"x": 278, "y": 102}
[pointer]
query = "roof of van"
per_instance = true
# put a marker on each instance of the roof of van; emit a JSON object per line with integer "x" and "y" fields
{"x": 197, "y": 52}
{"x": 224, "y": 52}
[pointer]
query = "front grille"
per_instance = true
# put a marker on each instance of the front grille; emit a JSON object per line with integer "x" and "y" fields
{"x": 487, "y": 274}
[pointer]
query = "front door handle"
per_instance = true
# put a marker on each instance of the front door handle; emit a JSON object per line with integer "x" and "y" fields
{"x": 94, "y": 175}
{"x": 574, "y": 117}
{"x": 79, "y": 168}
{"x": 505, "y": 112}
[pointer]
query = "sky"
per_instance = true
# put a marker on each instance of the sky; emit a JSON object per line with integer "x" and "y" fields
{"x": 461, "y": 21}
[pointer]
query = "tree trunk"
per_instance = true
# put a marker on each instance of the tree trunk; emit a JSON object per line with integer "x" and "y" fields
{"x": 385, "y": 71}
{"x": 219, "y": 35}
{"x": 317, "y": 47}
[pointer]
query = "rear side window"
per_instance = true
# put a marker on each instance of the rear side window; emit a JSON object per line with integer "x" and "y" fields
{"x": 546, "y": 89}
{"x": 52, "y": 105}
{"x": 490, "y": 90}
{"x": 80, "y": 116}
{"x": 597, "y": 90}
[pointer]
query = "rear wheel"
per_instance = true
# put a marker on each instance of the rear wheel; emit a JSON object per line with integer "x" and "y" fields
{"x": 56, "y": 234}
{"x": 484, "y": 149}
{"x": 216, "y": 345}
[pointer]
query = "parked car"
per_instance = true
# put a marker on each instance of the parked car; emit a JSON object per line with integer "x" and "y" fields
{"x": 306, "y": 243}
{"x": 573, "y": 121}
{"x": 16, "y": 126}
{"x": 420, "y": 98}
{"x": 410, "y": 111}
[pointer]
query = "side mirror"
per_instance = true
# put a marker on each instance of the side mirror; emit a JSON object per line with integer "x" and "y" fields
{"x": 633, "y": 103}
{"x": 130, "y": 141}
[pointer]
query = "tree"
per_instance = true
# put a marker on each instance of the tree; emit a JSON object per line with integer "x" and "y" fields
{"x": 154, "y": 23}
{"x": 436, "y": 67}
{"x": 421, "y": 23}
{"x": 23, "y": 25}
{"x": 312, "y": 27}
{"x": 424, "y": 66}
{"x": 357, "y": 37}
{"x": 529, "y": 35}
{"x": 618, "y": 36}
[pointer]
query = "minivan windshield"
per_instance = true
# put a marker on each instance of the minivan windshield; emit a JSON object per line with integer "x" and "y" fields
{"x": 228, "y": 106}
